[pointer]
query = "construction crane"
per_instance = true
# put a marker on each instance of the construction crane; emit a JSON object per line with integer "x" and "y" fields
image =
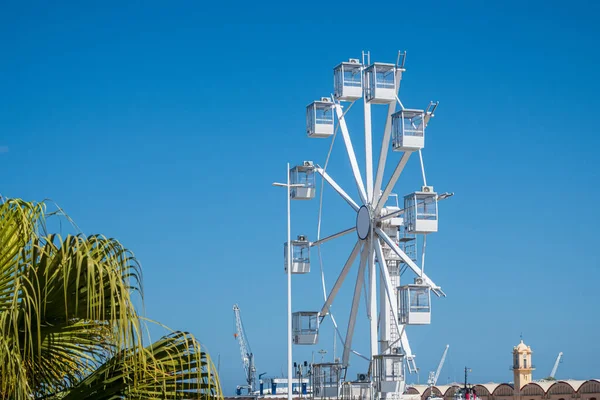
{"x": 556, "y": 365}
{"x": 433, "y": 376}
{"x": 247, "y": 356}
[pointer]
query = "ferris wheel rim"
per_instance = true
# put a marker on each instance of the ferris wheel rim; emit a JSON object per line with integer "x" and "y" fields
{"x": 373, "y": 230}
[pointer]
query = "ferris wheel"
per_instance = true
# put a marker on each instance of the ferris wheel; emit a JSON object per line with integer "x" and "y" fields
{"x": 387, "y": 234}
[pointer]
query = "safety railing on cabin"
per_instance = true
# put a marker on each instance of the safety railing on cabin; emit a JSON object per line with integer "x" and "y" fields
{"x": 301, "y": 254}
{"x": 427, "y": 208}
{"x": 307, "y": 179}
{"x": 412, "y": 123}
{"x": 385, "y": 80}
{"x": 352, "y": 79}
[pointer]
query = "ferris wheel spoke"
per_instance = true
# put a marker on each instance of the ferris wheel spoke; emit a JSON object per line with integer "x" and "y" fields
{"x": 351, "y": 156}
{"x": 340, "y": 280}
{"x": 337, "y": 188}
{"x": 354, "y": 310}
{"x": 392, "y": 182}
{"x": 408, "y": 261}
{"x": 334, "y": 236}
{"x": 385, "y": 144}
{"x": 360, "y": 355}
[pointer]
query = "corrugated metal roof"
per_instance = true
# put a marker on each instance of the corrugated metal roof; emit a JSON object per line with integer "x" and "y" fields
{"x": 490, "y": 387}
{"x": 545, "y": 385}
{"x": 419, "y": 388}
{"x": 574, "y": 383}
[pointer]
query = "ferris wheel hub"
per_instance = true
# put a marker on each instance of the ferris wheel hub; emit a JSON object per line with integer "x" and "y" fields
{"x": 363, "y": 222}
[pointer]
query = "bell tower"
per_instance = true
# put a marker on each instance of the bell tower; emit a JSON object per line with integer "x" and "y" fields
{"x": 522, "y": 366}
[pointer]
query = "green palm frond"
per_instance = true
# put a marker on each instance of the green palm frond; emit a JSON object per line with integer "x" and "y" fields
{"x": 19, "y": 226}
{"x": 19, "y": 223}
{"x": 68, "y": 324}
{"x": 69, "y": 353}
{"x": 177, "y": 369}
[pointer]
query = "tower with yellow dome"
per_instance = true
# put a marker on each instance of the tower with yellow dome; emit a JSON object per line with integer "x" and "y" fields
{"x": 522, "y": 366}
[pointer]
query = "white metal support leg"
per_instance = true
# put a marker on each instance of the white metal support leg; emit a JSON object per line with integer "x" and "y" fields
{"x": 389, "y": 290}
{"x": 368, "y": 152}
{"x": 354, "y": 310}
{"x": 373, "y": 298}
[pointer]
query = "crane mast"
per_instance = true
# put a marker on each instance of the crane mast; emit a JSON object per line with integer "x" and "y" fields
{"x": 556, "y": 365}
{"x": 433, "y": 376}
{"x": 247, "y": 356}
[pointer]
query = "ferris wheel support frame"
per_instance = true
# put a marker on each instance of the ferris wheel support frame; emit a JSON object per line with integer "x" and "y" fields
{"x": 373, "y": 234}
{"x": 368, "y": 197}
{"x": 372, "y": 298}
{"x": 393, "y": 305}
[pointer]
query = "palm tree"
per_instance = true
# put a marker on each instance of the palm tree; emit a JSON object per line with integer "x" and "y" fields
{"x": 68, "y": 325}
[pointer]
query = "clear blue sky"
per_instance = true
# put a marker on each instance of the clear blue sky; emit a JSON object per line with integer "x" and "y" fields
{"x": 164, "y": 126}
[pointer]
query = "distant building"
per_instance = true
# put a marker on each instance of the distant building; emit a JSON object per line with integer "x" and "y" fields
{"x": 523, "y": 388}
{"x": 522, "y": 366}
